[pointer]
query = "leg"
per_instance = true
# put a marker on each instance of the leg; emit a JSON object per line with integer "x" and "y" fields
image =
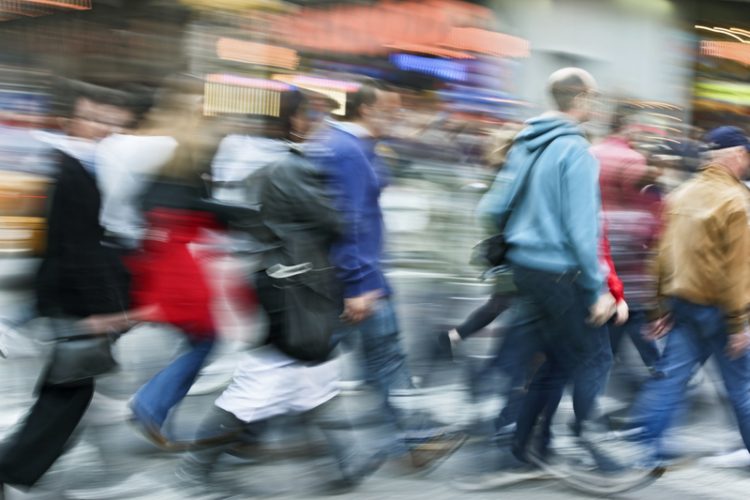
{"x": 330, "y": 419}
{"x": 736, "y": 375}
{"x": 565, "y": 339}
{"x": 483, "y": 316}
{"x": 167, "y": 388}
{"x": 515, "y": 358}
{"x": 43, "y": 436}
{"x": 647, "y": 349}
{"x": 198, "y": 464}
{"x": 659, "y": 399}
{"x": 591, "y": 378}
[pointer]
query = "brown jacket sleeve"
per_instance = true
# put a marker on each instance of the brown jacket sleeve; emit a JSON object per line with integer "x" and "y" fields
{"x": 736, "y": 274}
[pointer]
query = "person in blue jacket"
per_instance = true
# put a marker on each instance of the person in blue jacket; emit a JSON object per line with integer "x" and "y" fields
{"x": 553, "y": 237}
{"x": 346, "y": 151}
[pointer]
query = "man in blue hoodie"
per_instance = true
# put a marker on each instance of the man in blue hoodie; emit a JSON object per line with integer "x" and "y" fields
{"x": 347, "y": 154}
{"x": 553, "y": 237}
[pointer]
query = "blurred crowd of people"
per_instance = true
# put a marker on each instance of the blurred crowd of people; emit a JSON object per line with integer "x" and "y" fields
{"x": 636, "y": 236}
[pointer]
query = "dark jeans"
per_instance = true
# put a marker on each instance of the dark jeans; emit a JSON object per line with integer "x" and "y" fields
{"x": 698, "y": 332}
{"x": 568, "y": 343}
{"x": 329, "y": 418}
{"x": 378, "y": 341}
{"x": 515, "y": 358}
{"x": 633, "y": 328}
{"x": 43, "y": 436}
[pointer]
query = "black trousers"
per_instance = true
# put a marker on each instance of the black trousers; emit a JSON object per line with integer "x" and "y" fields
{"x": 43, "y": 436}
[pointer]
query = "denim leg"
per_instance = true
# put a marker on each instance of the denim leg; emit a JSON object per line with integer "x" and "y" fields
{"x": 159, "y": 395}
{"x": 199, "y": 463}
{"x": 330, "y": 419}
{"x": 591, "y": 378}
{"x": 647, "y": 349}
{"x": 514, "y": 359}
{"x": 563, "y": 336}
{"x": 385, "y": 365}
{"x": 384, "y": 357}
{"x": 736, "y": 375}
{"x": 659, "y": 399}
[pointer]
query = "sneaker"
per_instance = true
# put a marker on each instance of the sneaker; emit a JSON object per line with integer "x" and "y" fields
{"x": 739, "y": 459}
{"x": 442, "y": 349}
{"x": 432, "y": 452}
{"x": 351, "y": 479}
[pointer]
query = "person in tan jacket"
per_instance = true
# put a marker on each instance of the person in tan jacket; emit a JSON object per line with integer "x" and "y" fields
{"x": 703, "y": 279}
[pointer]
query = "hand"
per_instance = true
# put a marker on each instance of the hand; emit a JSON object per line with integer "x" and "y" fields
{"x": 106, "y": 323}
{"x": 659, "y": 328}
{"x": 602, "y": 310}
{"x": 359, "y": 308}
{"x": 738, "y": 344}
{"x": 622, "y": 313}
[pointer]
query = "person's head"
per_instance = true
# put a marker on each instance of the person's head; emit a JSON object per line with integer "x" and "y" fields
{"x": 730, "y": 147}
{"x": 573, "y": 91}
{"x": 623, "y": 121}
{"x": 367, "y": 107}
{"x": 301, "y": 113}
{"x": 91, "y": 112}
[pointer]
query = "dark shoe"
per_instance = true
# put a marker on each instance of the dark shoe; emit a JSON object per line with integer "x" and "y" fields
{"x": 351, "y": 479}
{"x": 434, "y": 451}
{"x": 442, "y": 349}
{"x": 148, "y": 429}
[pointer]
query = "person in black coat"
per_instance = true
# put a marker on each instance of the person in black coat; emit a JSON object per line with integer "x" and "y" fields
{"x": 78, "y": 278}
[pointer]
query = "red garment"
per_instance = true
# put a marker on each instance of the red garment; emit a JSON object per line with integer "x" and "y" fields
{"x": 614, "y": 283}
{"x": 168, "y": 274}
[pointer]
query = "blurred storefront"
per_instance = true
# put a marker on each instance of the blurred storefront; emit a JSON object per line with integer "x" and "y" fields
{"x": 721, "y": 93}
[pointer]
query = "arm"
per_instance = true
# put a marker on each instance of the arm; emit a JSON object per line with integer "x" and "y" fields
{"x": 48, "y": 275}
{"x": 733, "y": 296}
{"x": 494, "y": 204}
{"x": 614, "y": 283}
{"x": 580, "y": 213}
{"x": 347, "y": 174}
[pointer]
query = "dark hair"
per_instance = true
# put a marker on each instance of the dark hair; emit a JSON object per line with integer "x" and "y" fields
{"x": 291, "y": 102}
{"x": 365, "y": 95}
{"x": 623, "y": 111}
{"x": 564, "y": 91}
{"x": 135, "y": 98}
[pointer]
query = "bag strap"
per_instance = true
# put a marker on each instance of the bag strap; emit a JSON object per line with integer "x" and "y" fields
{"x": 524, "y": 183}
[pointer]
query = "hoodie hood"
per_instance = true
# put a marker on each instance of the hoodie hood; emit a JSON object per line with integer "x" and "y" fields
{"x": 542, "y": 130}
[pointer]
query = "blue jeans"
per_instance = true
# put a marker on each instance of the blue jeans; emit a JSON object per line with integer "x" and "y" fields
{"x": 379, "y": 343}
{"x": 523, "y": 341}
{"x": 569, "y": 344}
{"x": 647, "y": 349}
{"x": 698, "y": 332}
{"x": 152, "y": 403}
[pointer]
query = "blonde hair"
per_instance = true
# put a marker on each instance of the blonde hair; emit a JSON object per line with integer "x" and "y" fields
{"x": 178, "y": 114}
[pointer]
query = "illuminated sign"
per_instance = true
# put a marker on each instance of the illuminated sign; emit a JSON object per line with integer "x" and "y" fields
{"x": 333, "y": 89}
{"x": 261, "y": 54}
{"x": 441, "y": 68}
{"x": 241, "y": 95}
{"x": 443, "y": 28}
{"x": 734, "y": 51}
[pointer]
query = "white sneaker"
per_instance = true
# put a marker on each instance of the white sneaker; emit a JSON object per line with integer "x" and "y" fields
{"x": 739, "y": 459}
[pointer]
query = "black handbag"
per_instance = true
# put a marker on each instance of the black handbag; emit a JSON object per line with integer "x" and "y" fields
{"x": 311, "y": 315}
{"x": 78, "y": 355}
{"x": 491, "y": 251}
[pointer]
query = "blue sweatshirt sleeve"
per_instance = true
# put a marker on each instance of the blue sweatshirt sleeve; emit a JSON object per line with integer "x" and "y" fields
{"x": 357, "y": 270}
{"x": 581, "y": 205}
{"x": 494, "y": 203}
